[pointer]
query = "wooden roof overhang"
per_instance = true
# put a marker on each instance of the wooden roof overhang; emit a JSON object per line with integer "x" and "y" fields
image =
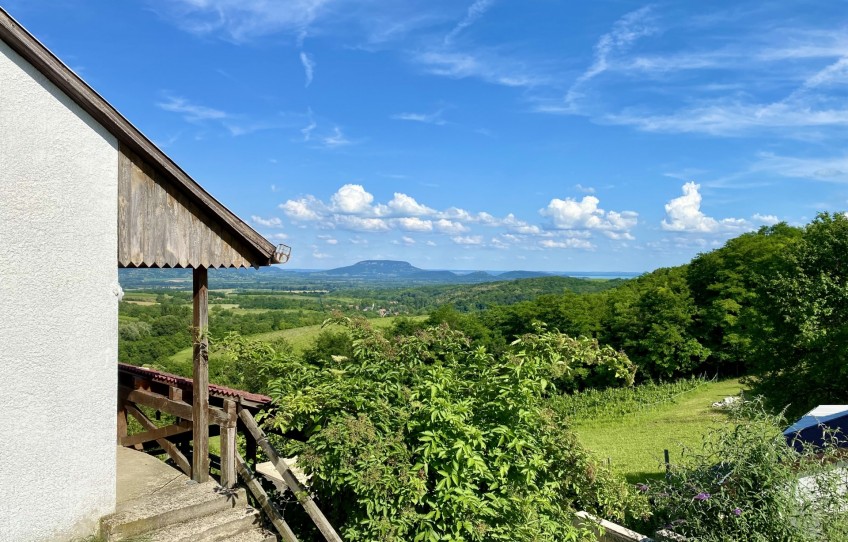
{"x": 165, "y": 219}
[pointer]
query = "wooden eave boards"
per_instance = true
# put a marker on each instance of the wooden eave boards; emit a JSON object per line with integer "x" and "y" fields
{"x": 187, "y": 209}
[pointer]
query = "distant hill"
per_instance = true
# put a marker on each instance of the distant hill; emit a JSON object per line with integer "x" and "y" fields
{"x": 366, "y": 274}
{"x": 512, "y": 275}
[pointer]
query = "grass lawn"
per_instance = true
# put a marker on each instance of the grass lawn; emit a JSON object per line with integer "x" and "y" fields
{"x": 634, "y": 443}
{"x": 300, "y": 338}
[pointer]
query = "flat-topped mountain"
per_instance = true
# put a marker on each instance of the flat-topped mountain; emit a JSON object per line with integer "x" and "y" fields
{"x": 392, "y": 268}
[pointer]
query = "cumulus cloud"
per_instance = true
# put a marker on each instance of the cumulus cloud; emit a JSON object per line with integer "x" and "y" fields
{"x": 570, "y": 214}
{"x": 444, "y": 225}
{"x": 352, "y": 199}
{"x": 272, "y": 222}
{"x": 768, "y": 220}
{"x": 684, "y": 214}
{"x": 304, "y": 209}
{"x": 401, "y": 204}
{"x": 413, "y": 223}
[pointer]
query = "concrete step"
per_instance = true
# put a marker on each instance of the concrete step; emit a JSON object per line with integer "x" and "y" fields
{"x": 175, "y": 504}
{"x": 227, "y": 524}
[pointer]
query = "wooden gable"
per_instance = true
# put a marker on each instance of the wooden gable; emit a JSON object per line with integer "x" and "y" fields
{"x": 159, "y": 226}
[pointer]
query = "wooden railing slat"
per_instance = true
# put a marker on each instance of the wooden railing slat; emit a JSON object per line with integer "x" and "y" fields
{"x": 289, "y": 478}
{"x": 264, "y": 502}
{"x": 169, "y": 447}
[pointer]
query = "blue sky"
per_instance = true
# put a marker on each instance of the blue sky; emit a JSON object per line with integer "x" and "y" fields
{"x": 487, "y": 134}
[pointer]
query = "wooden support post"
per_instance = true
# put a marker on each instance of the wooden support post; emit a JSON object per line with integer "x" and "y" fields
{"x": 229, "y": 477}
{"x": 122, "y": 421}
{"x": 200, "y": 401}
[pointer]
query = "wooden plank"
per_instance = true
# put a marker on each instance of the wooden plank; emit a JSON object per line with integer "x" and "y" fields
{"x": 200, "y": 376}
{"x": 174, "y": 408}
{"x": 229, "y": 478}
{"x": 289, "y": 478}
{"x": 169, "y": 447}
{"x": 264, "y": 502}
{"x": 156, "y": 434}
{"x": 124, "y": 191}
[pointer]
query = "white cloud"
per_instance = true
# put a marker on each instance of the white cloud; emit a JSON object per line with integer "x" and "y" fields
{"x": 189, "y": 111}
{"x": 768, "y": 220}
{"x": 469, "y": 240}
{"x": 569, "y": 214}
{"x": 352, "y": 199}
{"x": 242, "y": 20}
{"x": 401, "y": 204}
{"x": 358, "y": 223}
{"x": 584, "y": 189}
{"x": 444, "y": 225}
{"x": 520, "y": 226}
{"x": 308, "y": 67}
{"x": 336, "y": 139}
{"x": 409, "y": 241}
{"x": 426, "y": 118}
{"x": 684, "y": 214}
{"x": 567, "y": 243}
{"x": 304, "y": 209}
{"x": 475, "y": 11}
{"x": 277, "y": 237}
{"x": 413, "y": 223}
{"x": 624, "y": 32}
{"x": 430, "y": 244}
{"x": 490, "y": 67}
{"x": 272, "y": 222}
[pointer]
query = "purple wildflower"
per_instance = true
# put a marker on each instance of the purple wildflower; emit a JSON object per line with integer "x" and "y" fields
{"x": 702, "y": 496}
{"x": 642, "y": 488}
{"x": 737, "y": 511}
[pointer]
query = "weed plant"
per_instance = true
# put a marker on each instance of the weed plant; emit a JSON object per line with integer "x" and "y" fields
{"x": 746, "y": 483}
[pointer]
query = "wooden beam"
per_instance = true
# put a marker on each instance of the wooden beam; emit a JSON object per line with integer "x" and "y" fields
{"x": 200, "y": 376}
{"x": 229, "y": 478}
{"x": 264, "y": 502}
{"x": 156, "y": 434}
{"x": 179, "y": 409}
{"x": 169, "y": 447}
{"x": 300, "y": 492}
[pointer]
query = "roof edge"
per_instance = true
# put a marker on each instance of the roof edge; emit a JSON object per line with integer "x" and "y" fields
{"x": 57, "y": 72}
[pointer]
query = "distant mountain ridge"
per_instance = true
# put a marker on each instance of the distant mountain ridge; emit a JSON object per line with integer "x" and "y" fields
{"x": 367, "y": 273}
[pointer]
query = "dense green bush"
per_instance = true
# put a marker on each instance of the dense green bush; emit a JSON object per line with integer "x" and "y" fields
{"x": 425, "y": 437}
{"x": 744, "y": 485}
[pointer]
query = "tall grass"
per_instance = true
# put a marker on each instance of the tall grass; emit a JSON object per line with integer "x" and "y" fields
{"x": 616, "y": 402}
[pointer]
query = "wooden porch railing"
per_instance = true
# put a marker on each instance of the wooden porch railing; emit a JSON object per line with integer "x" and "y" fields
{"x": 226, "y": 417}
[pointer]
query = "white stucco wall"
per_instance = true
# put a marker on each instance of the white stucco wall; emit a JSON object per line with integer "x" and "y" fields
{"x": 58, "y": 310}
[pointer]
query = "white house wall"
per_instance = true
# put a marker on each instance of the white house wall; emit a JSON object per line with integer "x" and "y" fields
{"x": 58, "y": 310}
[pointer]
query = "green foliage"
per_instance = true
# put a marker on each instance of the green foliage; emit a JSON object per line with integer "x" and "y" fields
{"x": 651, "y": 318}
{"x": 726, "y": 285}
{"x": 800, "y": 342}
{"x": 426, "y": 437}
{"x": 611, "y": 403}
{"x": 744, "y": 485}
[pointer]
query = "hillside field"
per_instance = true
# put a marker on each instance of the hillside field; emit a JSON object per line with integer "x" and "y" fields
{"x": 634, "y": 443}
